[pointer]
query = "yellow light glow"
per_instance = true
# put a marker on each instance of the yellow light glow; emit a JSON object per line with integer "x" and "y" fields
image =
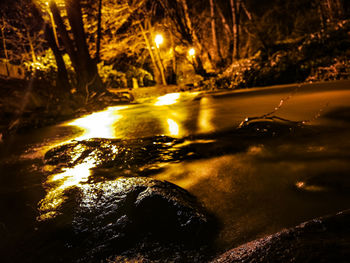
{"x": 100, "y": 124}
{"x": 206, "y": 116}
{"x": 167, "y": 99}
{"x": 173, "y": 127}
{"x": 192, "y": 52}
{"x": 158, "y": 40}
{"x": 58, "y": 183}
{"x": 310, "y": 188}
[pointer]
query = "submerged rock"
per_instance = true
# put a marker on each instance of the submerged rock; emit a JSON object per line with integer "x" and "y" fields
{"x": 126, "y": 157}
{"x": 324, "y": 239}
{"x": 269, "y": 127}
{"x": 105, "y": 218}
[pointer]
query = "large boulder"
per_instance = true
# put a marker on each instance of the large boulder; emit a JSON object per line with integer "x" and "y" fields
{"x": 324, "y": 239}
{"x": 101, "y": 219}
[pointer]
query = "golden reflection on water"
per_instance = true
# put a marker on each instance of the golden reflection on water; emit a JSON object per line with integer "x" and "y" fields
{"x": 167, "y": 99}
{"x": 173, "y": 127}
{"x": 309, "y": 188}
{"x": 99, "y": 124}
{"x": 206, "y": 116}
{"x": 57, "y": 184}
{"x": 96, "y": 125}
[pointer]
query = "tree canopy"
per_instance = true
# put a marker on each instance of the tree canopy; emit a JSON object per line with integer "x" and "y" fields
{"x": 121, "y": 33}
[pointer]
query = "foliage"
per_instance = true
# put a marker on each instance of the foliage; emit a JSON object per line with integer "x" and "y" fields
{"x": 23, "y": 32}
{"x": 45, "y": 68}
{"x": 280, "y": 29}
{"x": 143, "y": 77}
{"x": 318, "y": 56}
{"x": 338, "y": 69}
{"x": 111, "y": 77}
{"x": 118, "y": 29}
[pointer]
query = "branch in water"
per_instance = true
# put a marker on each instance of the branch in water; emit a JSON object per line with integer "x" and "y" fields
{"x": 274, "y": 117}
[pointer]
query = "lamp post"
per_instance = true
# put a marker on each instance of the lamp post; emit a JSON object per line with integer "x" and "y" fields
{"x": 192, "y": 54}
{"x": 158, "y": 40}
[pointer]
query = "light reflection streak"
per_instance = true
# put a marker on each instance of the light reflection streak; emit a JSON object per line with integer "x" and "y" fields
{"x": 310, "y": 188}
{"x": 191, "y": 174}
{"x": 173, "y": 127}
{"x": 59, "y": 183}
{"x": 96, "y": 125}
{"x": 167, "y": 99}
{"x": 206, "y": 116}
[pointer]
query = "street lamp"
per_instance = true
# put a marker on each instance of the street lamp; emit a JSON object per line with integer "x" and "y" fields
{"x": 158, "y": 40}
{"x": 192, "y": 52}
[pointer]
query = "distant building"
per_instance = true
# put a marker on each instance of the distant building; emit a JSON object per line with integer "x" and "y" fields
{"x": 12, "y": 71}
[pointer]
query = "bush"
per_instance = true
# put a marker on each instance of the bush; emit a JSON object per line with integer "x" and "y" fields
{"x": 315, "y": 57}
{"x": 111, "y": 77}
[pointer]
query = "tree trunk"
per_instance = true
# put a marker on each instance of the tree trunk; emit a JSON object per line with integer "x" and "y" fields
{"x": 30, "y": 42}
{"x": 62, "y": 75}
{"x": 320, "y": 11}
{"x": 90, "y": 80}
{"x": 228, "y": 35}
{"x": 189, "y": 25}
{"x": 216, "y": 50}
{"x": 224, "y": 22}
{"x": 157, "y": 74}
{"x": 54, "y": 28}
{"x": 339, "y": 8}
{"x": 173, "y": 60}
{"x": 198, "y": 67}
{"x": 252, "y": 21}
{"x": 158, "y": 58}
{"x": 4, "y": 46}
{"x": 67, "y": 41}
{"x": 330, "y": 9}
{"x": 99, "y": 32}
{"x": 235, "y": 6}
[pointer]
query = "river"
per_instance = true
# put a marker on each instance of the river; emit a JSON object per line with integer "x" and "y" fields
{"x": 271, "y": 183}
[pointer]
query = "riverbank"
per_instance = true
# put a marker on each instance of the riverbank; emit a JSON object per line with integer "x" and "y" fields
{"x": 30, "y": 104}
{"x": 321, "y": 56}
{"x": 324, "y": 239}
{"x": 26, "y": 105}
{"x": 267, "y": 175}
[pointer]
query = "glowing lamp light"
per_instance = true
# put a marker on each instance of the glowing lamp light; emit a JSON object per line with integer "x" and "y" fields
{"x": 159, "y": 40}
{"x": 192, "y": 52}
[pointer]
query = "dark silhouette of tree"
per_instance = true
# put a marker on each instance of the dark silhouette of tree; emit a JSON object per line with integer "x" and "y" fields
{"x": 89, "y": 81}
{"x": 22, "y": 32}
{"x": 178, "y": 13}
{"x": 236, "y": 19}
{"x": 62, "y": 75}
{"x": 99, "y": 32}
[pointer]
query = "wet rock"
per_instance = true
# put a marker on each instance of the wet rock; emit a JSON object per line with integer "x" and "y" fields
{"x": 108, "y": 217}
{"x": 324, "y": 239}
{"x": 125, "y": 157}
{"x": 270, "y": 127}
{"x": 335, "y": 181}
